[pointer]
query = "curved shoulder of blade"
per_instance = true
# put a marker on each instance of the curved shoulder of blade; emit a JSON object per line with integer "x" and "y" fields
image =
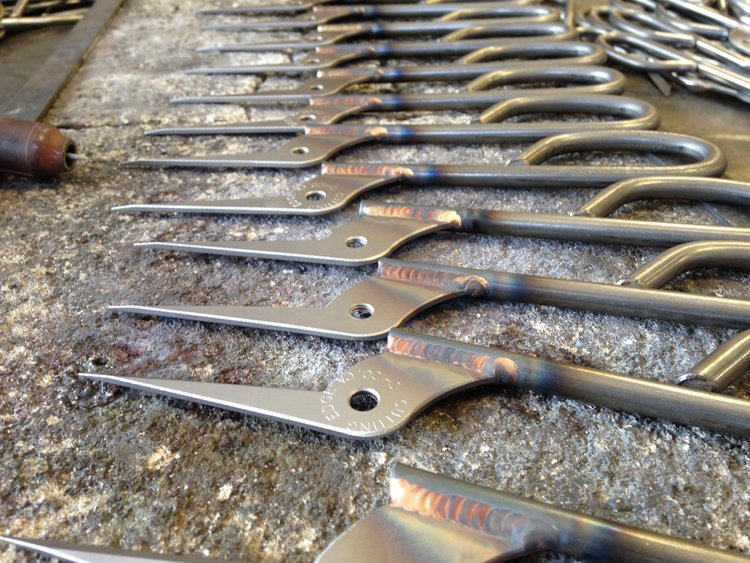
{"x": 366, "y": 311}
{"x": 362, "y": 241}
{"x": 393, "y": 534}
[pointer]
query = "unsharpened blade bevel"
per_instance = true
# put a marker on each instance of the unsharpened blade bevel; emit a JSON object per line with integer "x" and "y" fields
{"x": 293, "y": 406}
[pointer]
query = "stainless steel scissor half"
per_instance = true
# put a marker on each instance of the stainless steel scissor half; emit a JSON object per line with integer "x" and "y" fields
{"x": 383, "y": 227}
{"x": 318, "y": 143}
{"x": 400, "y": 289}
{"x": 339, "y": 184}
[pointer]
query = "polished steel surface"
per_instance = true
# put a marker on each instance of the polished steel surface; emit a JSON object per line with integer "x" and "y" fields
{"x": 383, "y": 227}
{"x": 399, "y": 290}
{"x": 339, "y": 184}
{"x": 381, "y": 394}
{"x": 431, "y": 517}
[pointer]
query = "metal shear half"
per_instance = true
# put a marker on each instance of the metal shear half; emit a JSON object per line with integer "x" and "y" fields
{"x": 381, "y": 394}
{"x": 579, "y": 96}
{"x": 478, "y": 12}
{"x": 458, "y": 43}
{"x": 492, "y": 62}
{"x": 383, "y": 227}
{"x": 318, "y": 143}
{"x": 435, "y": 518}
{"x": 339, "y": 184}
{"x": 400, "y": 289}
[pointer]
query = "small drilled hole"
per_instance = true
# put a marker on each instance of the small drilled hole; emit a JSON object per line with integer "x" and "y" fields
{"x": 361, "y": 311}
{"x": 315, "y": 196}
{"x": 300, "y": 150}
{"x": 363, "y": 401}
{"x": 356, "y": 242}
{"x": 316, "y": 87}
{"x": 308, "y": 117}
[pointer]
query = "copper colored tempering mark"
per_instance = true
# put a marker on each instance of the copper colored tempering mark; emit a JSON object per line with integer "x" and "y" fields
{"x": 406, "y": 212}
{"x": 436, "y": 352}
{"x": 343, "y": 27}
{"x": 501, "y": 524}
{"x": 367, "y": 170}
{"x": 352, "y": 71}
{"x": 503, "y": 368}
{"x": 461, "y": 283}
{"x": 377, "y": 132}
{"x": 347, "y": 101}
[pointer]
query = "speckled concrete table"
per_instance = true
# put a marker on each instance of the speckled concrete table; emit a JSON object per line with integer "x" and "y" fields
{"x": 86, "y": 463}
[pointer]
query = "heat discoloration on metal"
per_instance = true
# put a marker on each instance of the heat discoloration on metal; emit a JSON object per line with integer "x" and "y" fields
{"x": 345, "y": 27}
{"x": 445, "y": 352}
{"x": 349, "y": 72}
{"x": 462, "y": 284}
{"x": 376, "y": 132}
{"x": 386, "y": 170}
{"x": 464, "y": 511}
{"x": 448, "y": 216}
{"x": 433, "y": 517}
{"x": 354, "y": 101}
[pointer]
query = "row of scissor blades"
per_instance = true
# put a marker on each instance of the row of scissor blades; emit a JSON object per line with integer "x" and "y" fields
{"x": 531, "y": 108}
{"x": 507, "y": 81}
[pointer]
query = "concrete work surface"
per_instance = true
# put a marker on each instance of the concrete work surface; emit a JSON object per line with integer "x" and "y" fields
{"x": 89, "y": 463}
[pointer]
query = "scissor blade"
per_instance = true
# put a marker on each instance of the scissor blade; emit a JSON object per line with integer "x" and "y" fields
{"x": 302, "y": 320}
{"x": 94, "y": 554}
{"x": 362, "y": 241}
{"x": 310, "y": 251}
{"x": 291, "y": 24}
{"x": 393, "y": 534}
{"x": 301, "y": 152}
{"x": 350, "y": 316}
{"x": 246, "y": 206}
{"x": 271, "y": 97}
{"x": 270, "y": 126}
{"x": 273, "y": 159}
{"x": 281, "y": 68}
{"x": 300, "y": 44}
{"x": 325, "y": 86}
{"x": 293, "y": 406}
{"x": 270, "y": 9}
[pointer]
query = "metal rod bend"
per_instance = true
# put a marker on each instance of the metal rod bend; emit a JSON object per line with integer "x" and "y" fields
{"x": 690, "y": 256}
{"x": 715, "y": 190}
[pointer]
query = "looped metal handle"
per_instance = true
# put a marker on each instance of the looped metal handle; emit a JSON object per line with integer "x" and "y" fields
{"x": 518, "y": 31}
{"x": 621, "y": 106}
{"x": 715, "y": 190}
{"x": 669, "y": 60}
{"x": 596, "y": 78}
{"x": 707, "y": 159}
{"x": 656, "y": 273}
{"x": 722, "y": 368}
{"x": 585, "y": 53}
